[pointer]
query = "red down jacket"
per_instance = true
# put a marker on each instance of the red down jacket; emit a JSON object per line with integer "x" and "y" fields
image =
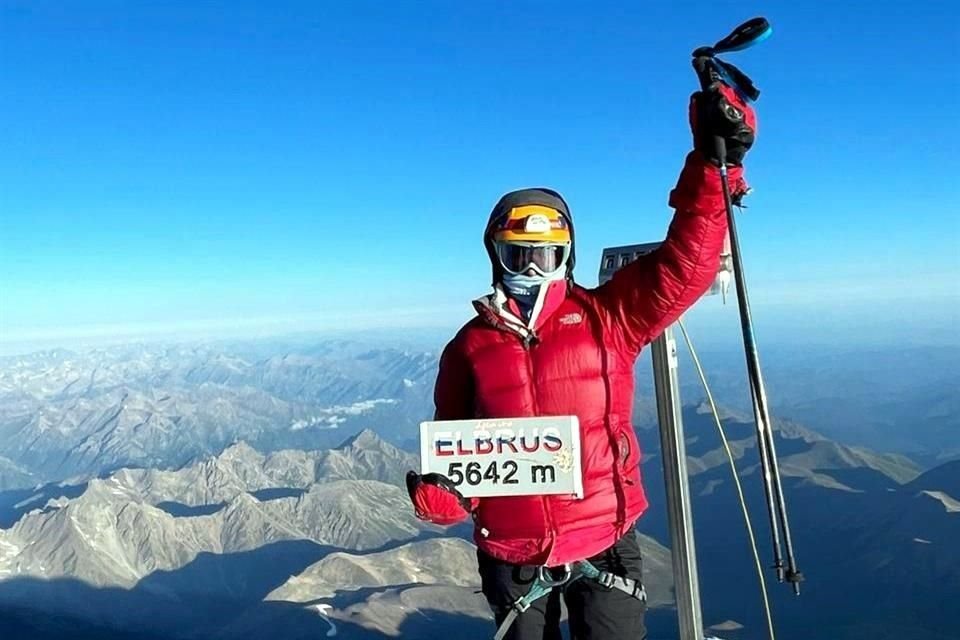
{"x": 582, "y": 364}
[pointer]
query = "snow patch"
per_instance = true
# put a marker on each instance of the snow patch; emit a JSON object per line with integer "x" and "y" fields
{"x": 318, "y": 422}
{"x": 8, "y": 551}
{"x": 26, "y": 501}
{"x": 949, "y": 503}
{"x": 324, "y": 610}
{"x": 359, "y": 408}
{"x": 333, "y": 417}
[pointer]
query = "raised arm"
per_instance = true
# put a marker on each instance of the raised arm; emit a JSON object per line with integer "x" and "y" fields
{"x": 649, "y": 294}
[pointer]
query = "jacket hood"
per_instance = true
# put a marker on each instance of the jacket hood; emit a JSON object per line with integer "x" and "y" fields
{"x": 541, "y": 196}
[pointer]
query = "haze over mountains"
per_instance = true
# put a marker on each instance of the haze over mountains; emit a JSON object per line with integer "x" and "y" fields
{"x": 888, "y": 397}
{"x": 198, "y": 493}
{"x": 64, "y": 414}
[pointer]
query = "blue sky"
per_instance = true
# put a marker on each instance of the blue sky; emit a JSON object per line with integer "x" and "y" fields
{"x": 235, "y": 167}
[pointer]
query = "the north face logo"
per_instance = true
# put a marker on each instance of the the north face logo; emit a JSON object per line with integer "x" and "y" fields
{"x": 571, "y": 318}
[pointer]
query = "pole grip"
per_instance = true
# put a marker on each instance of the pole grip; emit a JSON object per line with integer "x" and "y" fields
{"x": 720, "y": 147}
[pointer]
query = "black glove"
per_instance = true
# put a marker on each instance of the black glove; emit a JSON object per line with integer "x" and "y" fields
{"x": 723, "y": 124}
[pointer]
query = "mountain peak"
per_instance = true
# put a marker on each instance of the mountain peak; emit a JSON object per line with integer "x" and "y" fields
{"x": 364, "y": 439}
{"x": 240, "y": 450}
{"x": 945, "y": 478}
{"x": 366, "y": 456}
{"x": 725, "y": 413}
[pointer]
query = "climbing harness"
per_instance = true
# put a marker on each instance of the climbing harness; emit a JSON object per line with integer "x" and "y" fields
{"x": 545, "y": 581}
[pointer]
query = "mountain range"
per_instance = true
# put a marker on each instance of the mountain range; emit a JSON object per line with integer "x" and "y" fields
{"x": 181, "y": 492}
{"x": 248, "y": 535}
{"x": 874, "y": 536}
{"x": 64, "y": 414}
{"x": 245, "y": 543}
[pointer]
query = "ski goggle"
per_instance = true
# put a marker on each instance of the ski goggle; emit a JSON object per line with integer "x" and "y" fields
{"x": 544, "y": 258}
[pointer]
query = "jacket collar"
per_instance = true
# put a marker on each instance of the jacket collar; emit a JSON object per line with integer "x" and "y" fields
{"x": 498, "y": 309}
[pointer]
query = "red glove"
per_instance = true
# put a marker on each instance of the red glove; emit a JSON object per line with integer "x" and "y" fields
{"x": 719, "y": 112}
{"x": 436, "y": 499}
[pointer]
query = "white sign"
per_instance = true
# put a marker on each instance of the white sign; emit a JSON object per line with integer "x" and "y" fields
{"x": 505, "y": 457}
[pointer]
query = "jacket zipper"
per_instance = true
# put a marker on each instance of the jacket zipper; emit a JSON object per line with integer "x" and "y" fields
{"x": 530, "y": 341}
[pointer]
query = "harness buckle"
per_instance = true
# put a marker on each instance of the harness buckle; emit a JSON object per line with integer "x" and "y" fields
{"x": 639, "y": 592}
{"x": 606, "y": 579}
{"x": 546, "y": 578}
{"x": 521, "y": 604}
{"x": 545, "y": 581}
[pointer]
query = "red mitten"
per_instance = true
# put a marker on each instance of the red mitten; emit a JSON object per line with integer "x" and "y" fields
{"x": 436, "y": 499}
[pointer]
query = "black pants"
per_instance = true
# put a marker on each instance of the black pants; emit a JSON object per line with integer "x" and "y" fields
{"x": 595, "y": 613}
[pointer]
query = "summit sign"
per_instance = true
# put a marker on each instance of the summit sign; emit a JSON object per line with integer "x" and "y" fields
{"x": 505, "y": 457}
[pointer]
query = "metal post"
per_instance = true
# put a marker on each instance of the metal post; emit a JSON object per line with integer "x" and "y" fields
{"x": 673, "y": 446}
{"x": 682, "y": 547}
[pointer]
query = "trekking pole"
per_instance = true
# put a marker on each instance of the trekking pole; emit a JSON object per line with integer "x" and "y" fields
{"x": 746, "y": 35}
{"x": 768, "y": 453}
